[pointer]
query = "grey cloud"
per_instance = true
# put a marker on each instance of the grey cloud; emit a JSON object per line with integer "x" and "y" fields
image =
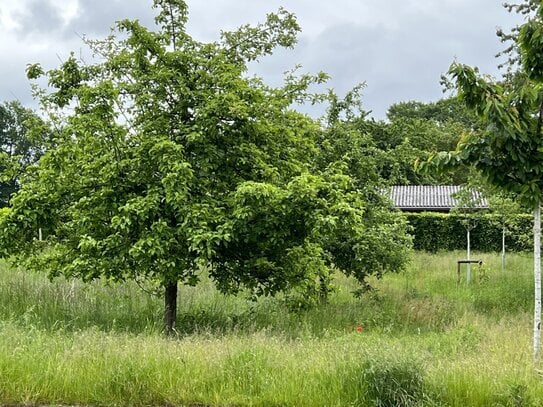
{"x": 39, "y": 18}
{"x": 96, "y": 17}
{"x": 402, "y": 60}
{"x": 17, "y": 87}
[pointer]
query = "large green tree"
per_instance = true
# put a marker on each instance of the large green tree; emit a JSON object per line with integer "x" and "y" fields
{"x": 168, "y": 160}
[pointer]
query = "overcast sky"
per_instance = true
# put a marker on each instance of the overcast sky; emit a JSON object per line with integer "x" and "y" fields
{"x": 398, "y": 47}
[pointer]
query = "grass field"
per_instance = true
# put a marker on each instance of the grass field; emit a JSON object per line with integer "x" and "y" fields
{"x": 425, "y": 342}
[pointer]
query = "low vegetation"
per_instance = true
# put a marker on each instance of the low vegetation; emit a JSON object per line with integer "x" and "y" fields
{"x": 417, "y": 339}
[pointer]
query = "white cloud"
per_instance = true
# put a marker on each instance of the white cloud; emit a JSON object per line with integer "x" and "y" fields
{"x": 8, "y": 12}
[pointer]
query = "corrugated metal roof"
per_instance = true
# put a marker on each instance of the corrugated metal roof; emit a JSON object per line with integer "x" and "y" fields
{"x": 431, "y": 197}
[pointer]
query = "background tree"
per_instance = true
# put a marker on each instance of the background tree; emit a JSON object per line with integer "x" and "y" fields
{"x": 169, "y": 160}
{"x": 441, "y": 112}
{"x": 506, "y": 210}
{"x": 414, "y": 131}
{"x": 19, "y": 147}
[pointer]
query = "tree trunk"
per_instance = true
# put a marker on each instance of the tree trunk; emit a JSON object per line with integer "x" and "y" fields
{"x": 170, "y": 307}
{"x": 537, "y": 280}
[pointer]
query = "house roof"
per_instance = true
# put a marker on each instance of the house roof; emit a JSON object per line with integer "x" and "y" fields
{"x": 431, "y": 197}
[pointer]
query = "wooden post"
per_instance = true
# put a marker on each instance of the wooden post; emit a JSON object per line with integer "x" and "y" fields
{"x": 458, "y": 273}
{"x": 170, "y": 307}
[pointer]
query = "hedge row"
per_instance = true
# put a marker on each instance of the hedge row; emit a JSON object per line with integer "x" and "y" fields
{"x": 438, "y": 231}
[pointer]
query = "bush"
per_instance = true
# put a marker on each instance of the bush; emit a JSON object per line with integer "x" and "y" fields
{"x": 434, "y": 232}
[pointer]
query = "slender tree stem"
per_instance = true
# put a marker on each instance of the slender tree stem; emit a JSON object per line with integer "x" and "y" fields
{"x": 537, "y": 281}
{"x": 537, "y": 261}
{"x": 468, "y": 274}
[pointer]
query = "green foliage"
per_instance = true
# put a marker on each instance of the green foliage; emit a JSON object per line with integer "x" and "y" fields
{"x": 527, "y": 9}
{"x": 436, "y": 232}
{"x": 250, "y": 43}
{"x": 380, "y": 152}
{"x": 443, "y": 112}
{"x": 507, "y": 152}
{"x": 423, "y": 299}
{"x": 169, "y": 161}
{"x": 377, "y": 151}
{"x": 418, "y": 130}
{"x": 4, "y": 212}
{"x": 19, "y": 145}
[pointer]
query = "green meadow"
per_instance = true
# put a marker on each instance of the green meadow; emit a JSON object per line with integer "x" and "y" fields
{"x": 417, "y": 339}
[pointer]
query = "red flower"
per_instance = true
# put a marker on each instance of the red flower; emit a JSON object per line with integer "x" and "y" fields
{"x": 359, "y": 328}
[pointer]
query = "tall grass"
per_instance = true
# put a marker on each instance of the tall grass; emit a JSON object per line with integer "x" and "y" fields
{"x": 425, "y": 341}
